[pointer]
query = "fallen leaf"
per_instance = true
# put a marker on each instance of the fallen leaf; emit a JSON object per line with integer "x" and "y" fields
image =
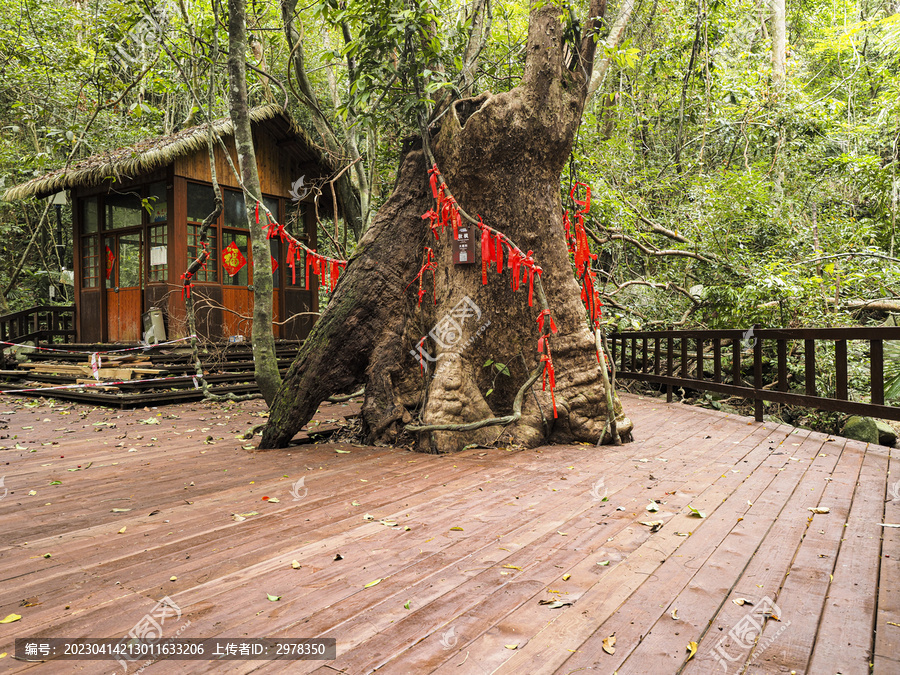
{"x": 368, "y": 516}
{"x": 675, "y": 613}
{"x": 555, "y": 604}
{"x": 603, "y": 563}
{"x": 151, "y": 420}
{"x": 695, "y": 512}
{"x": 338, "y": 556}
{"x": 47, "y": 555}
{"x": 818, "y": 509}
{"x": 249, "y": 513}
{"x": 653, "y": 507}
{"x": 512, "y": 567}
{"x": 173, "y": 578}
{"x": 354, "y": 503}
{"x": 654, "y": 525}
{"x": 692, "y": 648}
{"x": 566, "y": 577}
{"x": 295, "y": 564}
{"x": 740, "y": 602}
{"x": 343, "y": 452}
{"x": 373, "y": 583}
{"x": 32, "y": 493}
{"x": 273, "y": 598}
{"x": 406, "y": 606}
{"x": 120, "y": 510}
{"x": 515, "y": 646}
{"x": 609, "y": 644}
{"x": 237, "y": 517}
{"x": 55, "y": 482}
{"x": 564, "y": 534}
{"x": 273, "y": 500}
{"x": 10, "y": 618}
{"x": 456, "y": 529}
{"x": 122, "y": 531}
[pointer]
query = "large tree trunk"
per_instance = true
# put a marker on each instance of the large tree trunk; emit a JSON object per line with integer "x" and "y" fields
{"x": 265, "y": 359}
{"x": 502, "y": 157}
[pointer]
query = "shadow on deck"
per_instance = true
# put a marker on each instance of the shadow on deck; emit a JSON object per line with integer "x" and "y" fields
{"x": 481, "y": 538}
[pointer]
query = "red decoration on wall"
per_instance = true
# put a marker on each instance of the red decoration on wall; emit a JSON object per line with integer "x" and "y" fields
{"x": 110, "y": 261}
{"x": 232, "y": 259}
{"x": 274, "y": 264}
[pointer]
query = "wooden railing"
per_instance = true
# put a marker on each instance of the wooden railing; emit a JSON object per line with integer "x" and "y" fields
{"x": 714, "y": 360}
{"x": 45, "y": 323}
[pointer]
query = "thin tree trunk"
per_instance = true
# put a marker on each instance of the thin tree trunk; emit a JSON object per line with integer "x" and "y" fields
{"x": 612, "y": 42}
{"x": 264, "y": 357}
{"x": 779, "y": 41}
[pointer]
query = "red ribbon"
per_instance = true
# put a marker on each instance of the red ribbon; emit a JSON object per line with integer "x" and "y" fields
{"x": 486, "y": 246}
{"x": 545, "y": 314}
{"x": 435, "y": 176}
{"x": 586, "y": 203}
{"x": 433, "y": 216}
{"x": 498, "y": 253}
{"x": 186, "y": 288}
{"x": 549, "y": 374}
{"x": 257, "y": 213}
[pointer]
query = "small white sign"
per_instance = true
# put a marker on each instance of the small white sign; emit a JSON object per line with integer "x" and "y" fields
{"x": 159, "y": 255}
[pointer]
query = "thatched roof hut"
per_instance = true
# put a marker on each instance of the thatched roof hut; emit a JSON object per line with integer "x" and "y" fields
{"x": 136, "y": 216}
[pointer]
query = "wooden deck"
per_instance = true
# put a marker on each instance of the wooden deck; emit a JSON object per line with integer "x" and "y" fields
{"x": 481, "y": 538}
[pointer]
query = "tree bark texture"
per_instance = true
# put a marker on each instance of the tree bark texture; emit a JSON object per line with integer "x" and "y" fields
{"x": 264, "y": 357}
{"x": 502, "y": 157}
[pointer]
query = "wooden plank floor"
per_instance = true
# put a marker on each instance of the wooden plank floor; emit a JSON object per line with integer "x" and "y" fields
{"x": 103, "y": 513}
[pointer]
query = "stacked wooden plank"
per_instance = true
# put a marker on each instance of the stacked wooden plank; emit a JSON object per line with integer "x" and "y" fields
{"x": 140, "y": 377}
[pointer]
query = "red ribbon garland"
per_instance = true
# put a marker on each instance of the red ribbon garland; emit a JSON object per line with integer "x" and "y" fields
{"x": 545, "y": 314}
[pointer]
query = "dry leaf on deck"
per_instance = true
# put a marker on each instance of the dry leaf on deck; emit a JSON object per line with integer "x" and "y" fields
{"x": 609, "y": 644}
{"x": 11, "y": 618}
{"x": 675, "y": 613}
{"x": 295, "y": 564}
{"x": 695, "y": 512}
{"x": 692, "y": 648}
{"x": 818, "y": 509}
{"x": 740, "y": 602}
{"x": 654, "y": 525}
{"x": 373, "y": 583}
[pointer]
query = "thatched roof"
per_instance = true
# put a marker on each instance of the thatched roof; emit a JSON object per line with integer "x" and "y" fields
{"x": 154, "y": 153}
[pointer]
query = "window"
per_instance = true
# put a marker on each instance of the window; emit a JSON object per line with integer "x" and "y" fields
{"x": 235, "y": 211}
{"x": 90, "y": 215}
{"x": 122, "y": 210}
{"x": 159, "y": 258}
{"x": 201, "y": 201}
{"x": 90, "y": 263}
{"x": 194, "y": 250}
{"x": 157, "y": 203}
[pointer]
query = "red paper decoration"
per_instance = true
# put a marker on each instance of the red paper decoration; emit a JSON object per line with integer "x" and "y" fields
{"x": 274, "y": 264}
{"x": 232, "y": 259}
{"x": 110, "y": 261}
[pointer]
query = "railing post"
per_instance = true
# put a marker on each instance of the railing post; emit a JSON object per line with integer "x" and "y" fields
{"x": 684, "y": 357}
{"x": 782, "y": 365}
{"x": 876, "y": 354}
{"x": 700, "y": 357}
{"x": 840, "y": 369}
{"x": 757, "y": 379}
{"x": 656, "y": 355}
{"x": 717, "y": 360}
{"x": 809, "y": 352}
{"x": 670, "y": 366}
{"x": 736, "y": 362}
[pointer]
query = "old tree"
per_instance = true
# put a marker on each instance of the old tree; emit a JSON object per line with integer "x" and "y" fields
{"x": 501, "y": 157}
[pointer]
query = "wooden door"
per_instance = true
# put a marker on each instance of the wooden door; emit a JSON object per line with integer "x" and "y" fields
{"x": 124, "y": 284}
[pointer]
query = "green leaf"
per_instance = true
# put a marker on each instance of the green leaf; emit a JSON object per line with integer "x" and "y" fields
{"x": 55, "y": 482}
{"x": 695, "y": 512}
{"x": 273, "y": 598}
{"x": 406, "y": 606}
{"x": 488, "y": 363}
{"x": 489, "y": 392}
{"x": 373, "y": 583}
{"x": 501, "y": 368}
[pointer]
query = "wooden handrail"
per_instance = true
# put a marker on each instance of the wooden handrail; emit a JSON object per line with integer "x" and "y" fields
{"x": 647, "y": 349}
{"x": 43, "y": 323}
